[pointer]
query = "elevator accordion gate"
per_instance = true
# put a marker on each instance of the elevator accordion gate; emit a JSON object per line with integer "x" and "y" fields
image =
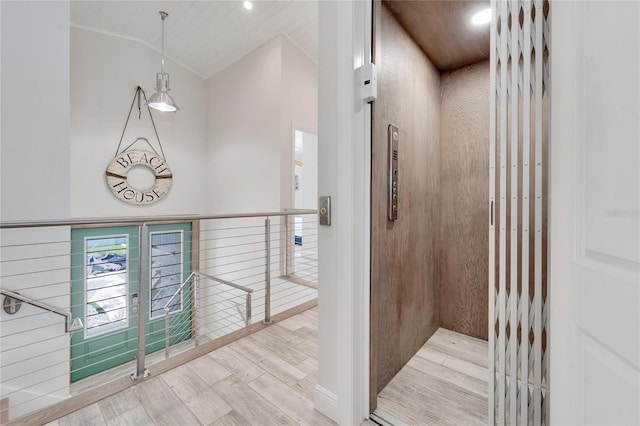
{"x": 518, "y": 302}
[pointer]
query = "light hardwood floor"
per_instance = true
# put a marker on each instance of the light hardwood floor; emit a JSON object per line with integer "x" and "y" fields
{"x": 267, "y": 378}
{"x": 445, "y": 383}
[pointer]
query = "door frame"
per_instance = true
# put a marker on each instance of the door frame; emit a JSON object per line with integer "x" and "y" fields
{"x": 344, "y": 173}
{"x": 302, "y": 127}
{"x": 289, "y": 244}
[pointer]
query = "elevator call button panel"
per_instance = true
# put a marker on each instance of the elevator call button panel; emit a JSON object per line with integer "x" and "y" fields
{"x": 393, "y": 137}
{"x": 324, "y": 210}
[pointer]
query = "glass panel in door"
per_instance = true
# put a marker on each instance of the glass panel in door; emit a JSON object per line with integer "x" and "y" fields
{"x": 170, "y": 266}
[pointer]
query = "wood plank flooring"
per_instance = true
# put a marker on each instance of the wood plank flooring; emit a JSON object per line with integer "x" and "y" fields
{"x": 267, "y": 378}
{"x": 445, "y": 383}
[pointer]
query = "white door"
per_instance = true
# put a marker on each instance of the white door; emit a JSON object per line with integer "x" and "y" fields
{"x": 594, "y": 204}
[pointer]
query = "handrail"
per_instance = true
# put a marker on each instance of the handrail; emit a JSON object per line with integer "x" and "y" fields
{"x": 229, "y": 283}
{"x": 193, "y": 274}
{"x": 140, "y": 220}
{"x": 200, "y": 274}
{"x": 70, "y": 324}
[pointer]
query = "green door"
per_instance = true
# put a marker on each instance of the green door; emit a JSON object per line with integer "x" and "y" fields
{"x": 104, "y": 292}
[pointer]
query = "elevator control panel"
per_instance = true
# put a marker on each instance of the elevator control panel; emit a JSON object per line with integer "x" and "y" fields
{"x": 393, "y": 137}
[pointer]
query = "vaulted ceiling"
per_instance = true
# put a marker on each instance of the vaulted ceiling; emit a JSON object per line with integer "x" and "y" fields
{"x": 204, "y": 36}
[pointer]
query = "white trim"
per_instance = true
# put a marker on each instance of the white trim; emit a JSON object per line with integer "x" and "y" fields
{"x": 326, "y": 402}
{"x": 564, "y": 126}
{"x": 362, "y": 138}
{"x": 344, "y": 174}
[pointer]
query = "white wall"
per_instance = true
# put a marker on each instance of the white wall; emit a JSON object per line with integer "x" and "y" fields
{"x": 243, "y": 154}
{"x": 34, "y": 184}
{"x": 252, "y": 105}
{"x": 34, "y": 169}
{"x": 299, "y": 111}
{"x": 34, "y": 361}
{"x": 105, "y": 70}
{"x": 249, "y": 157}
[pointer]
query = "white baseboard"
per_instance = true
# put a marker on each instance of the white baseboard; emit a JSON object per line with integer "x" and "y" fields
{"x": 326, "y": 402}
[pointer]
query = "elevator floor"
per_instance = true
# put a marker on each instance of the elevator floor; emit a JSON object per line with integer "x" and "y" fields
{"x": 444, "y": 383}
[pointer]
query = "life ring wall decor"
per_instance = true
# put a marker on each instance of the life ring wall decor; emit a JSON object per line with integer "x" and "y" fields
{"x": 125, "y": 160}
{"x": 120, "y": 166}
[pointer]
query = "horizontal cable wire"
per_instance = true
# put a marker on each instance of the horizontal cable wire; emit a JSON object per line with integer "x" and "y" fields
{"x": 221, "y": 309}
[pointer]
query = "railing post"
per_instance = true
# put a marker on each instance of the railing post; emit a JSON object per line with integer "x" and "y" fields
{"x": 248, "y": 310}
{"x": 267, "y": 271}
{"x": 143, "y": 245}
{"x": 195, "y": 284}
{"x": 287, "y": 241}
{"x": 166, "y": 333}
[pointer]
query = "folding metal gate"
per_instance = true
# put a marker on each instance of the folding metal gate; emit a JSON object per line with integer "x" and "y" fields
{"x": 518, "y": 335}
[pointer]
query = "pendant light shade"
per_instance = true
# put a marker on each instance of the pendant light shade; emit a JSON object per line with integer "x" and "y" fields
{"x": 161, "y": 99}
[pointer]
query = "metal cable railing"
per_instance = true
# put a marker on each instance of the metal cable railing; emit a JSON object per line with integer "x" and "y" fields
{"x": 195, "y": 278}
{"x": 143, "y": 289}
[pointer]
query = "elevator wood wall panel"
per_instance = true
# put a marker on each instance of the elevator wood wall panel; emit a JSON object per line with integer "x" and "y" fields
{"x": 463, "y": 245}
{"x": 404, "y": 305}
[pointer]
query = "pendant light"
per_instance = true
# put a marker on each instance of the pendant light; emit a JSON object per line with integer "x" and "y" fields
{"x": 161, "y": 99}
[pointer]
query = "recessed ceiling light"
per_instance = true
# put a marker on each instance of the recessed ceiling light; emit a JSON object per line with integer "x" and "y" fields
{"x": 482, "y": 17}
{"x": 248, "y": 5}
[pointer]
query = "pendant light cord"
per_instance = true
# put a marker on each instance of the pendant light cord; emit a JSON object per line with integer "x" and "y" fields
{"x": 153, "y": 123}
{"x": 163, "y": 15}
